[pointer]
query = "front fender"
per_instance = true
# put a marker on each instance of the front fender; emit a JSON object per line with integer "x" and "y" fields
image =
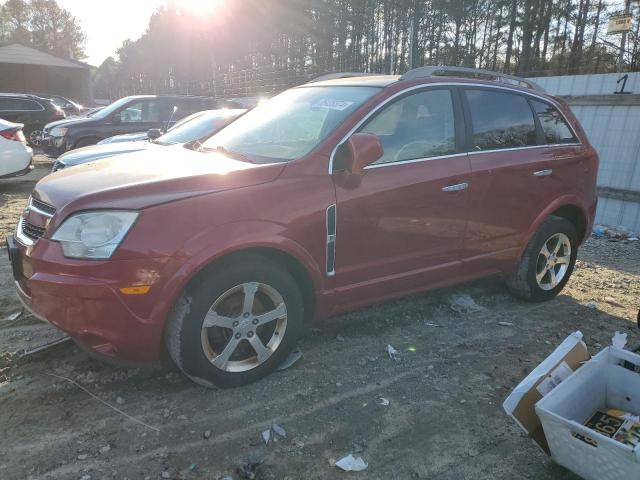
{"x": 222, "y": 240}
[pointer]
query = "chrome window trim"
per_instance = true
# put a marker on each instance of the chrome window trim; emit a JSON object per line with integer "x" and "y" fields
{"x": 32, "y": 207}
{"x": 453, "y": 84}
{"x": 414, "y": 160}
{"x": 528, "y": 147}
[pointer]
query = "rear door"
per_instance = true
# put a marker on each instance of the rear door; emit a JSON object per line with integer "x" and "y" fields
{"x": 402, "y": 228}
{"x": 510, "y": 184}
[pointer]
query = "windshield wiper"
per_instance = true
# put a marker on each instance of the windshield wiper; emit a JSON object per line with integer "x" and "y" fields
{"x": 228, "y": 153}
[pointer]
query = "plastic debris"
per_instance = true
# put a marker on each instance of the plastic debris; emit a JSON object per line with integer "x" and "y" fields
{"x": 266, "y": 436}
{"x": 393, "y": 353}
{"x": 340, "y": 338}
{"x": 279, "y": 430}
{"x": 505, "y": 324}
{"x": 431, "y": 324}
{"x": 592, "y": 305}
{"x": 352, "y": 464}
{"x": 612, "y": 301}
{"x": 599, "y": 231}
{"x": 633, "y": 239}
{"x": 383, "y": 401}
{"x": 619, "y": 340}
{"x": 290, "y": 360}
{"x": 15, "y": 315}
{"x": 463, "y": 304}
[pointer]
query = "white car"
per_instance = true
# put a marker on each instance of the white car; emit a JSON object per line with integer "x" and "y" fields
{"x": 16, "y": 158}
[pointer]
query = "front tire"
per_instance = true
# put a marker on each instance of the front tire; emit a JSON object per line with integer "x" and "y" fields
{"x": 547, "y": 263}
{"x": 237, "y": 324}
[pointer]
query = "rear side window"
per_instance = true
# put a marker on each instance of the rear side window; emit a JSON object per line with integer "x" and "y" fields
{"x": 500, "y": 120}
{"x": 140, "y": 112}
{"x": 420, "y": 125}
{"x": 19, "y": 104}
{"x": 554, "y": 126}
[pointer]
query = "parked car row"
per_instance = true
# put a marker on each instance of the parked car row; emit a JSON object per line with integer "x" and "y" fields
{"x": 15, "y": 156}
{"x": 330, "y": 196}
{"x": 32, "y": 111}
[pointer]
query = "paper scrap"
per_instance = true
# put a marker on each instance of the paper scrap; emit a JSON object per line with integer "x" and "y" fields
{"x": 619, "y": 340}
{"x": 266, "y": 435}
{"x": 393, "y": 353}
{"x": 279, "y": 430}
{"x": 352, "y": 464}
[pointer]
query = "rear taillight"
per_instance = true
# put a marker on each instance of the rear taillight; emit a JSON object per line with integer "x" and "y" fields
{"x": 14, "y": 134}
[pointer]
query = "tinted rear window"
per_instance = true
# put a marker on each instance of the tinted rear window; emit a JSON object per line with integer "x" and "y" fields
{"x": 554, "y": 126}
{"x": 500, "y": 120}
{"x": 18, "y": 104}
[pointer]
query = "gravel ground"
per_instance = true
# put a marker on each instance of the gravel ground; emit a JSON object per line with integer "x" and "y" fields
{"x": 444, "y": 420}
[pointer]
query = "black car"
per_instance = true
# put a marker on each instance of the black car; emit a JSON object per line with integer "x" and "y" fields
{"x": 128, "y": 115}
{"x": 32, "y": 111}
{"x": 69, "y": 107}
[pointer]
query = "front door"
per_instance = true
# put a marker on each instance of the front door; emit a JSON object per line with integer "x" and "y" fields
{"x": 401, "y": 228}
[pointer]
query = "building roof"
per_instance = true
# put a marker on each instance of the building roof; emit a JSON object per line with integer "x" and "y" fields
{"x": 22, "y": 54}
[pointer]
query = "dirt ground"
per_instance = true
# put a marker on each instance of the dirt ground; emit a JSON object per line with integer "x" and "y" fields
{"x": 444, "y": 420}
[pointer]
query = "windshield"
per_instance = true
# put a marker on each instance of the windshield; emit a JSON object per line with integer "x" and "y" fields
{"x": 112, "y": 107}
{"x": 197, "y": 126}
{"x": 291, "y": 124}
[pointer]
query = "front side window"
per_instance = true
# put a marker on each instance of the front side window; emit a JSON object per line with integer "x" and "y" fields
{"x": 500, "y": 120}
{"x": 553, "y": 125}
{"x": 140, "y": 112}
{"x": 420, "y": 125}
{"x": 290, "y": 125}
{"x": 196, "y": 127}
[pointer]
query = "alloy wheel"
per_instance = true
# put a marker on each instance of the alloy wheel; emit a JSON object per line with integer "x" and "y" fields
{"x": 244, "y": 327}
{"x": 35, "y": 138}
{"x": 553, "y": 261}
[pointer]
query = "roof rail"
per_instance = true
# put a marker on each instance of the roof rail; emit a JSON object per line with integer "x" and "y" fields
{"x": 337, "y": 75}
{"x": 470, "y": 72}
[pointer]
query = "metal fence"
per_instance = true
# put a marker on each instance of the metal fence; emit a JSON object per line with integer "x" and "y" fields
{"x": 608, "y": 107}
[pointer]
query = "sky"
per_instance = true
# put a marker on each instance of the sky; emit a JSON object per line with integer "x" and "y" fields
{"x": 107, "y": 24}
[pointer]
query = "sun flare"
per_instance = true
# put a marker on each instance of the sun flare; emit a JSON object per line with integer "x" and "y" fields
{"x": 198, "y": 6}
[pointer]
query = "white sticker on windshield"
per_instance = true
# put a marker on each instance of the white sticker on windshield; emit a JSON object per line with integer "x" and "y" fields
{"x": 332, "y": 104}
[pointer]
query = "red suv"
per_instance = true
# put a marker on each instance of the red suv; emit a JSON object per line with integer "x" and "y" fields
{"x": 328, "y": 197}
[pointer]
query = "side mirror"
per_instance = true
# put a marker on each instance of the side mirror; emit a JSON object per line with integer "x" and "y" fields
{"x": 362, "y": 149}
{"x": 153, "y": 133}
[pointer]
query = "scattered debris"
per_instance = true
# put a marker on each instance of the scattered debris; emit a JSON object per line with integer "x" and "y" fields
{"x": 505, "y": 324}
{"x": 290, "y": 360}
{"x": 15, "y": 315}
{"x": 619, "y": 340}
{"x": 340, "y": 338}
{"x": 382, "y": 401}
{"x": 83, "y": 456}
{"x": 612, "y": 301}
{"x": 266, "y": 436}
{"x": 633, "y": 239}
{"x": 105, "y": 449}
{"x": 249, "y": 471}
{"x": 352, "y": 464}
{"x": 431, "y": 324}
{"x": 393, "y": 353}
{"x": 599, "y": 231}
{"x": 120, "y": 400}
{"x": 206, "y": 435}
{"x": 279, "y": 430}
{"x": 165, "y": 474}
{"x": 592, "y": 305}
{"x": 462, "y": 303}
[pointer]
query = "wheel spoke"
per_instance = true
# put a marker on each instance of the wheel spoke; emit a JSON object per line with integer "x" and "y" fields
{"x": 563, "y": 260}
{"x": 541, "y": 274}
{"x": 559, "y": 244}
{"x": 545, "y": 251}
{"x": 226, "y": 353}
{"x": 212, "y": 319}
{"x": 278, "y": 312}
{"x": 250, "y": 290}
{"x": 261, "y": 351}
{"x": 552, "y": 276}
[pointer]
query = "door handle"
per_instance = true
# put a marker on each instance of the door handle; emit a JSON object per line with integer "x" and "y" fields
{"x": 455, "y": 188}
{"x": 543, "y": 173}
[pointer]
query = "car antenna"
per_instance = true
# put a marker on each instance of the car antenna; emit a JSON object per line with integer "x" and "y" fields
{"x": 173, "y": 112}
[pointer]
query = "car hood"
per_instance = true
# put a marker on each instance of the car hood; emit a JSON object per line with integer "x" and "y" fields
{"x": 96, "y": 152}
{"x": 126, "y": 137}
{"x": 69, "y": 121}
{"x": 142, "y": 179}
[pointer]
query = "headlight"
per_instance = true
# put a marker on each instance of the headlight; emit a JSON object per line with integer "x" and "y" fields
{"x": 58, "y": 131}
{"x": 94, "y": 234}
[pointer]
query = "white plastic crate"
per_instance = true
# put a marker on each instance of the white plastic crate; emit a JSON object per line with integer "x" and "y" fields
{"x": 599, "y": 384}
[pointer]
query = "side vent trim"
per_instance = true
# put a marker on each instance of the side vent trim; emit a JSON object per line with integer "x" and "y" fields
{"x": 331, "y": 240}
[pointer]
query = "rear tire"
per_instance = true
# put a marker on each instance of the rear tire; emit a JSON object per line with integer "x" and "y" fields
{"x": 34, "y": 135}
{"x": 237, "y": 324}
{"x": 547, "y": 262}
